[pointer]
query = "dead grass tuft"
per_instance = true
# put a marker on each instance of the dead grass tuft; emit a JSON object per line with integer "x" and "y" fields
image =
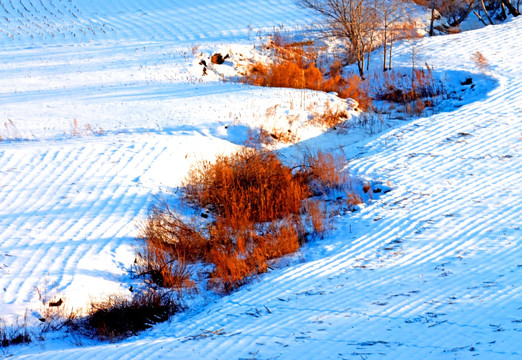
{"x": 330, "y": 119}
{"x": 14, "y": 335}
{"x": 480, "y": 61}
{"x": 416, "y": 91}
{"x": 170, "y": 245}
{"x": 119, "y": 317}
{"x": 324, "y": 172}
{"x": 263, "y": 137}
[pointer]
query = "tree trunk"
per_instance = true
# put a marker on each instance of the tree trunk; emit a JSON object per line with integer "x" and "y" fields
{"x": 458, "y": 21}
{"x": 504, "y": 15}
{"x": 385, "y": 41}
{"x": 480, "y": 18}
{"x": 390, "y": 57}
{"x": 360, "y": 66}
{"x": 384, "y": 54}
{"x": 369, "y": 53}
{"x": 360, "y": 51}
{"x": 486, "y": 12}
{"x": 412, "y": 63}
{"x": 432, "y": 20}
{"x": 511, "y": 8}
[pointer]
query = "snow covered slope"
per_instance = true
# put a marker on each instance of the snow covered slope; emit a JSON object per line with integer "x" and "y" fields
{"x": 432, "y": 270}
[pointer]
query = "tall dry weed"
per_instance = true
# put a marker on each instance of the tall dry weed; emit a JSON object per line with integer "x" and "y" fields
{"x": 480, "y": 61}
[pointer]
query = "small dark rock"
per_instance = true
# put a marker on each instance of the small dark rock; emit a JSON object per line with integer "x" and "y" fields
{"x": 468, "y": 81}
{"x": 217, "y": 58}
{"x": 56, "y": 303}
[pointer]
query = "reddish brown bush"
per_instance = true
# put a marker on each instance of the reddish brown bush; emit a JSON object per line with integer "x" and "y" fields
{"x": 261, "y": 211}
{"x": 324, "y": 171}
{"x": 14, "y": 335}
{"x": 242, "y": 253}
{"x": 249, "y": 186}
{"x": 295, "y": 66}
{"x": 288, "y": 74}
{"x": 315, "y": 216}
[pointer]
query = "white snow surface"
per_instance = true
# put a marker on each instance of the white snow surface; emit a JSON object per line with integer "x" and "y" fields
{"x": 103, "y": 107}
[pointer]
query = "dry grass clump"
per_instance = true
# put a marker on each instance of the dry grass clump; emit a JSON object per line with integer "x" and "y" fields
{"x": 249, "y": 186}
{"x": 261, "y": 210}
{"x": 417, "y": 90}
{"x": 264, "y": 137}
{"x": 111, "y": 319}
{"x": 14, "y": 335}
{"x": 118, "y": 317}
{"x": 295, "y": 66}
{"x": 324, "y": 172}
{"x": 480, "y": 61}
{"x": 171, "y": 244}
{"x": 330, "y": 119}
{"x": 256, "y": 201}
{"x": 240, "y": 253}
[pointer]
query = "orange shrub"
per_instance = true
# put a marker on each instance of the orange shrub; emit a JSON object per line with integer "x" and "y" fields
{"x": 288, "y": 74}
{"x": 295, "y": 67}
{"x": 324, "y": 172}
{"x": 315, "y": 216}
{"x": 249, "y": 186}
{"x": 261, "y": 211}
{"x": 243, "y": 253}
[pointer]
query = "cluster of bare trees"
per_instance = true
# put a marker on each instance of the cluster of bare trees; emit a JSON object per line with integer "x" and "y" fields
{"x": 499, "y": 9}
{"x": 456, "y": 11}
{"x": 366, "y": 24}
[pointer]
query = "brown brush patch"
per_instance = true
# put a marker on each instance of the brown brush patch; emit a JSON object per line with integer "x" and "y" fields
{"x": 261, "y": 211}
{"x": 250, "y": 186}
{"x": 118, "y": 317}
{"x": 330, "y": 119}
{"x": 416, "y": 91}
{"x": 295, "y": 66}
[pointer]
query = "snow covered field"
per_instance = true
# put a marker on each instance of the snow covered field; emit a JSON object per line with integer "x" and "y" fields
{"x": 102, "y": 107}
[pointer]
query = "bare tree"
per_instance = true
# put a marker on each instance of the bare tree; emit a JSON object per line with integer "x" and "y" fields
{"x": 495, "y": 6}
{"x": 433, "y": 5}
{"x": 374, "y": 19}
{"x": 347, "y": 20}
{"x": 513, "y": 11}
{"x": 486, "y": 12}
{"x": 456, "y": 11}
{"x": 389, "y": 13}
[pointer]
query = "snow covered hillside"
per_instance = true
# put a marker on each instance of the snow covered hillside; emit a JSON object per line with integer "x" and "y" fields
{"x": 103, "y": 107}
